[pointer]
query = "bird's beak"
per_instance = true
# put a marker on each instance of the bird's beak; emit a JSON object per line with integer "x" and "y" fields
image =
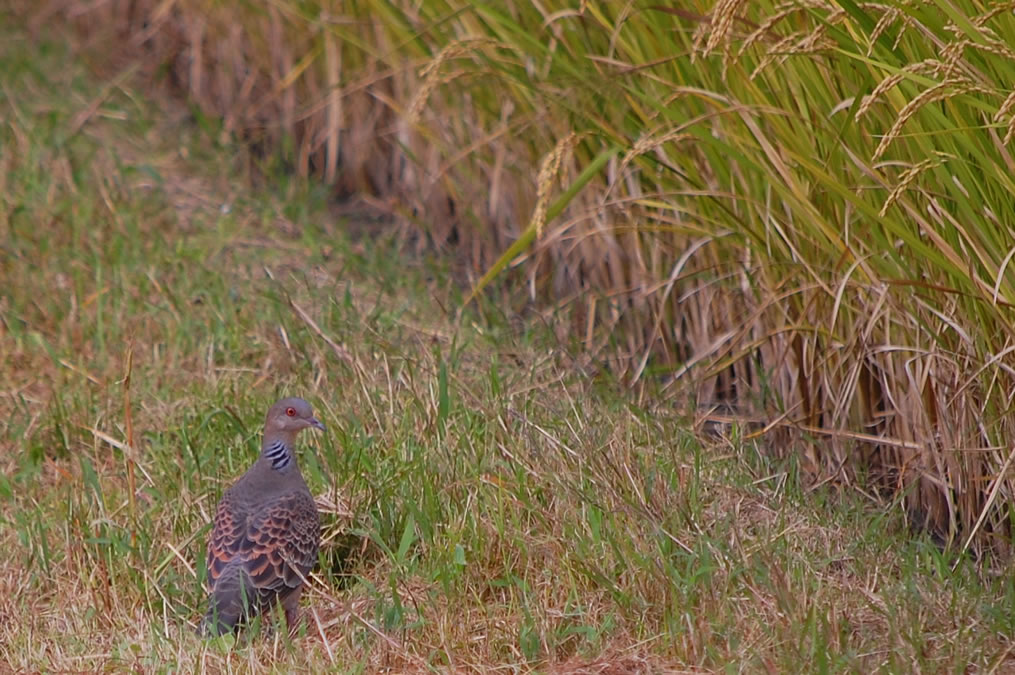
{"x": 316, "y": 423}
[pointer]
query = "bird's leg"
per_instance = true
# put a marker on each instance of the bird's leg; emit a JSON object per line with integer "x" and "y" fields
{"x": 291, "y": 604}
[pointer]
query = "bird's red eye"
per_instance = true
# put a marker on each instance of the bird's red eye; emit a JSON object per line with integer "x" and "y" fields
{"x": 291, "y": 412}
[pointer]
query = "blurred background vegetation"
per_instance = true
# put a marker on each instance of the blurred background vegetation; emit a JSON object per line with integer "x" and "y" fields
{"x": 796, "y": 214}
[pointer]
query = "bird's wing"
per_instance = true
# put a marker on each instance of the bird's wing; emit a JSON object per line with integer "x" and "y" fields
{"x": 226, "y": 541}
{"x": 279, "y": 546}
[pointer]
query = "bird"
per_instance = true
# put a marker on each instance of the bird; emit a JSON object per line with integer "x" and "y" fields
{"x": 266, "y": 531}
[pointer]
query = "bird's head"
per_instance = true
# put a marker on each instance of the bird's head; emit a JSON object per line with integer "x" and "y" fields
{"x": 289, "y": 416}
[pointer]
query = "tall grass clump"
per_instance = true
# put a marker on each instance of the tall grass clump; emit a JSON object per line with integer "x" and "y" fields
{"x": 798, "y": 211}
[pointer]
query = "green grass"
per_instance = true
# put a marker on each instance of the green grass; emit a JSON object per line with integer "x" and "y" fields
{"x": 489, "y": 504}
{"x": 801, "y": 212}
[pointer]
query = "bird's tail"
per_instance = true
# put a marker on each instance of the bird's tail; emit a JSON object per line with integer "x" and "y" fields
{"x": 230, "y": 601}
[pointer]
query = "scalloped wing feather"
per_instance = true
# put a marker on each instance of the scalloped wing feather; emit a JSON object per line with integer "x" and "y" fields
{"x": 271, "y": 550}
{"x": 277, "y": 545}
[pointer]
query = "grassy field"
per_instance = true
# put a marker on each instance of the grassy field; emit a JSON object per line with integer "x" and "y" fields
{"x": 803, "y": 212}
{"x": 489, "y": 500}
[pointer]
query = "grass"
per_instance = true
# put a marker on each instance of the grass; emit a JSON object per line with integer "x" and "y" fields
{"x": 800, "y": 211}
{"x": 488, "y": 502}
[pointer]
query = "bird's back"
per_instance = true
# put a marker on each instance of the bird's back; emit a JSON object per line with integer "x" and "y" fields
{"x": 263, "y": 544}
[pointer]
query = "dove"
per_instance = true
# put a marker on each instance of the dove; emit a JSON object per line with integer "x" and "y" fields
{"x": 266, "y": 530}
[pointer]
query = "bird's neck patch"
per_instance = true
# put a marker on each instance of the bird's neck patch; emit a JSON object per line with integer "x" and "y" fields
{"x": 279, "y": 454}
